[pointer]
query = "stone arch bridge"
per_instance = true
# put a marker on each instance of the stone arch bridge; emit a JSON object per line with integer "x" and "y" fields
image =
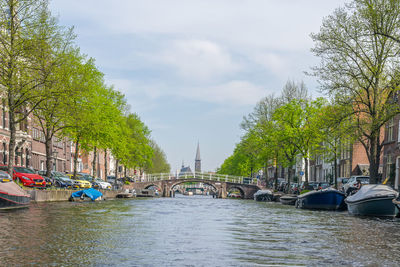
{"x": 222, "y": 184}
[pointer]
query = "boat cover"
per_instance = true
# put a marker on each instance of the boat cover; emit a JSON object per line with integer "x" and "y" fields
{"x": 93, "y": 194}
{"x": 320, "y": 191}
{"x": 263, "y": 192}
{"x": 371, "y": 191}
{"x": 11, "y": 188}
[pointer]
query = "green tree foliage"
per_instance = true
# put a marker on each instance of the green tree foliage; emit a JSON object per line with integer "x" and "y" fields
{"x": 300, "y": 122}
{"x": 31, "y": 46}
{"x": 159, "y": 163}
{"x": 360, "y": 67}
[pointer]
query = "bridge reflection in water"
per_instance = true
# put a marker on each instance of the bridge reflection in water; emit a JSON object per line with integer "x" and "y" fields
{"x": 222, "y": 184}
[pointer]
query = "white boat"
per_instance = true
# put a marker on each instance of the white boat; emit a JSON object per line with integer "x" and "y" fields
{"x": 373, "y": 200}
{"x": 264, "y": 195}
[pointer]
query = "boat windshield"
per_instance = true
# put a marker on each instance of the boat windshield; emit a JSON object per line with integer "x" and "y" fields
{"x": 23, "y": 170}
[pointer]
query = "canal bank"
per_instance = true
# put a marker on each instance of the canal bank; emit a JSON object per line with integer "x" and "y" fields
{"x": 63, "y": 195}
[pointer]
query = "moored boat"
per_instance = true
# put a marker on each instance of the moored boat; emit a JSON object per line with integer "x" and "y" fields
{"x": 264, "y": 195}
{"x": 288, "y": 199}
{"x": 373, "y": 200}
{"x": 90, "y": 194}
{"x": 326, "y": 199}
{"x": 13, "y": 196}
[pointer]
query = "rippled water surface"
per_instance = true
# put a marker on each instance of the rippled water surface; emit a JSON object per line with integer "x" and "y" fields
{"x": 192, "y": 231}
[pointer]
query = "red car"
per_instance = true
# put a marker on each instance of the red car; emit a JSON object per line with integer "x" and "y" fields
{"x": 27, "y": 176}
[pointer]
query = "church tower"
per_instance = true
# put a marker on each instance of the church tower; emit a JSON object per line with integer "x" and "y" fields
{"x": 197, "y": 161}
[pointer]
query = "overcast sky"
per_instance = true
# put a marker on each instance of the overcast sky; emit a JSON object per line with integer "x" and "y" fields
{"x": 192, "y": 69}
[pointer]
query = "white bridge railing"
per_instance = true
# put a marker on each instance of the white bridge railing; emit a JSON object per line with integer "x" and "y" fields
{"x": 196, "y": 175}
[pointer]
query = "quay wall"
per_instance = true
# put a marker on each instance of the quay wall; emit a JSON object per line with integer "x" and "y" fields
{"x": 62, "y": 195}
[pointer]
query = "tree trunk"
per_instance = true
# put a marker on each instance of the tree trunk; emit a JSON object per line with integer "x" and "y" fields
{"x": 105, "y": 165}
{"x": 289, "y": 177}
{"x": 276, "y": 177}
{"x": 125, "y": 174}
{"x": 306, "y": 170}
{"x": 94, "y": 163}
{"x": 116, "y": 170}
{"x": 335, "y": 170}
{"x": 11, "y": 148}
{"x": 76, "y": 156}
{"x": 374, "y": 159}
{"x": 48, "y": 144}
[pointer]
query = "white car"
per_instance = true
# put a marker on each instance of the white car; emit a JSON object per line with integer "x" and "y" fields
{"x": 102, "y": 184}
{"x": 352, "y": 182}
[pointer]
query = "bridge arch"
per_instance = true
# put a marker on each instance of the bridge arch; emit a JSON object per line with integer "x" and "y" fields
{"x": 238, "y": 188}
{"x": 205, "y": 182}
{"x": 153, "y": 186}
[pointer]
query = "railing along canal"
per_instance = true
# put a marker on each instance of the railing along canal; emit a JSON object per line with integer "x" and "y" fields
{"x": 196, "y": 175}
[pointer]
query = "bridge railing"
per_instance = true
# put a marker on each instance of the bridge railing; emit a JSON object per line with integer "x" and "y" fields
{"x": 197, "y": 176}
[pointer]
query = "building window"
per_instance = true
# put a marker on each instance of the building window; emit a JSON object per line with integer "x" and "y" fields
{"x": 4, "y": 153}
{"x": 390, "y": 130}
{"x": 4, "y": 116}
{"x": 388, "y": 165}
{"x": 16, "y": 156}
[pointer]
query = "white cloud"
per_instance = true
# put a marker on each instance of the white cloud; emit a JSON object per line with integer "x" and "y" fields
{"x": 273, "y": 62}
{"x": 198, "y": 59}
{"x": 232, "y": 93}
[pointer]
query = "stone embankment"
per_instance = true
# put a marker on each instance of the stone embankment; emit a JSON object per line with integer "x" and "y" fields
{"x": 63, "y": 195}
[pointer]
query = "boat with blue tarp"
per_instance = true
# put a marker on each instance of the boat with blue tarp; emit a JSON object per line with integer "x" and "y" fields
{"x": 326, "y": 199}
{"x": 87, "y": 194}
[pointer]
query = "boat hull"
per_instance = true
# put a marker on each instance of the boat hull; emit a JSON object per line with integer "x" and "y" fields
{"x": 322, "y": 200}
{"x": 379, "y": 207}
{"x": 264, "y": 196}
{"x": 288, "y": 200}
{"x": 11, "y": 201}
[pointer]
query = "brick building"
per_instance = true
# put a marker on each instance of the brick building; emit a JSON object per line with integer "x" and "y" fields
{"x": 391, "y": 151}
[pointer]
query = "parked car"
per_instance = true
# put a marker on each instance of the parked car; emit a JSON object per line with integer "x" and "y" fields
{"x": 96, "y": 182}
{"x": 294, "y": 188}
{"x": 323, "y": 185}
{"x": 311, "y": 186}
{"x": 60, "y": 179}
{"x": 100, "y": 184}
{"x": 352, "y": 182}
{"x": 80, "y": 179}
{"x": 49, "y": 181}
{"x": 26, "y": 176}
{"x": 4, "y": 177}
{"x": 341, "y": 181}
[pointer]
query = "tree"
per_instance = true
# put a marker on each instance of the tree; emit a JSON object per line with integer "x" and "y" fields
{"x": 158, "y": 160}
{"x": 336, "y": 130}
{"x": 28, "y": 55}
{"x": 299, "y": 122}
{"x": 51, "y": 114}
{"x": 87, "y": 80}
{"x": 360, "y": 67}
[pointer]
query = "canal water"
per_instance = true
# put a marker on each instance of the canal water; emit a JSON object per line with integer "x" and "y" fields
{"x": 192, "y": 231}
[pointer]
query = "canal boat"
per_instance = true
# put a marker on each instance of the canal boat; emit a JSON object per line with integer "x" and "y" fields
{"x": 373, "y": 200}
{"x": 13, "y": 196}
{"x": 264, "y": 195}
{"x": 90, "y": 194}
{"x": 288, "y": 199}
{"x": 396, "y": 202}
{"x": 326, "y": 199}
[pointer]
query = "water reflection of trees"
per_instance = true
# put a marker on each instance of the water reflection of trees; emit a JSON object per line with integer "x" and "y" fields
{"x": 62, "y": 233}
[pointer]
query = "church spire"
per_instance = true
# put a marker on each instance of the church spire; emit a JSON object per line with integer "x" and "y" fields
{"x": 197, "y": 161}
